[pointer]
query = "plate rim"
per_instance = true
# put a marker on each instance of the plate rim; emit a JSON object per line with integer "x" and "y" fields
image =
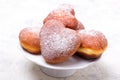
{"x": 49, "y": 65}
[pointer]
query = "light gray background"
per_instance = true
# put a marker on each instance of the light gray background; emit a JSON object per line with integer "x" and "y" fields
{"x": 102, "y": 15}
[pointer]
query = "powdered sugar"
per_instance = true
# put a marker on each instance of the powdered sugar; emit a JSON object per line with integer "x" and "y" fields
{"x": 93, "y": 39}
{"x": 67, "y": 7}
{"x": 60, "y": 43}
{"x": 65, "y": 15}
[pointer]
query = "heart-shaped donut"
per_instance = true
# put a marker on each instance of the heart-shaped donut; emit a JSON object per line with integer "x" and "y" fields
{"x": 57, "y": 42}
{"x": 79, "y": 26}
{"x": 29, "y": 39}
{"x": 93, "y": 43}
{"x": 68, "y": 19}
{"x": 67, "y": 7}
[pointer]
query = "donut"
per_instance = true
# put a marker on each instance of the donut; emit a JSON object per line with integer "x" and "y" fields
{"x": 93, "y": 44}
{"x": 79, "y": 26}
{"x": 57, "y": 42}
{"x": 29, "y": 39}
{"x": 67, "y": 7}
{"x": 64, "y": 16}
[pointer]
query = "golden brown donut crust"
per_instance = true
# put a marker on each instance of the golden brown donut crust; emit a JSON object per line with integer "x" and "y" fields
{"x": 67, "y": 7}
{"x": 64, "y": 16}
{"x": 93, "y": 43}
{"x": 79, "y": 26}
{"x": 57, "y": 42}
{"x": 29, "y": 39}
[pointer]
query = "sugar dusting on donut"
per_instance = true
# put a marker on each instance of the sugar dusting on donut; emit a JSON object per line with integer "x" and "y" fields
{"x": 29, "y": 32}
{"x": 93, "y": 39}
{"x": 29, "y": 39}
{"x": 58, "y": 45}
{"x": 59, "y": 42}
{"x": 67, "y": 7}
{"x": 64, "y": 16}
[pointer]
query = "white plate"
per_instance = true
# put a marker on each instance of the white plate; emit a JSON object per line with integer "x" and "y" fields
{"x": 74, "y": 62}
{"x": 58, "y": 70}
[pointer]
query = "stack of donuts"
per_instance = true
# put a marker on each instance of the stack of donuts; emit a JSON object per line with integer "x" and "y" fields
{"x": 62, "y": 36}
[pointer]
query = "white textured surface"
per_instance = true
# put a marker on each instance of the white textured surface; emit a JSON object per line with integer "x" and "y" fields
{"x": 102, "y": 15}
